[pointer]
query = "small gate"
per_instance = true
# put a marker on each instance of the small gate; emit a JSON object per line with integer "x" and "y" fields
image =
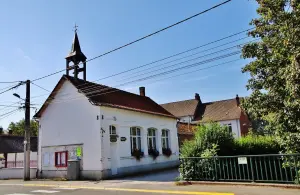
{"x": 273, "y": 168}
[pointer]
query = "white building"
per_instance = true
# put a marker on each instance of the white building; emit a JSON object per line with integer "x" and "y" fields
{"x": 108, "y": 129}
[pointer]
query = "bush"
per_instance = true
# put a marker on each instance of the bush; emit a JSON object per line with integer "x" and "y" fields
{"x": 210, "y": 140}
{"x": 199, "y": 168}
{"x": 215, "y": 140}
{"x": 206, "y": 137}
{"x": 256, "y": 144}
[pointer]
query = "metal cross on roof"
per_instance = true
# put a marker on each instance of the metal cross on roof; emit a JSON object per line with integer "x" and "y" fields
{"x": 75, "y": 28}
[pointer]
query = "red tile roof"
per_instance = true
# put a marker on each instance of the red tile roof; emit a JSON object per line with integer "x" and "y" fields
{"x": 218, "y": 111}
{"x": 182, "y": 108}
{"x": 107, "y": 96}
{"x": 203, "y": 112}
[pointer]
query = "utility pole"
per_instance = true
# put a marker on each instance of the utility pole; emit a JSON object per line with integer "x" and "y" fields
{"x": 27, "y": 134}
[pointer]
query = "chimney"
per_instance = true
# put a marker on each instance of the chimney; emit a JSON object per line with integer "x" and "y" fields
{"x": 237, "y": 98}
{"x": 142, "y": 91}
{"x": 197, "y": 97}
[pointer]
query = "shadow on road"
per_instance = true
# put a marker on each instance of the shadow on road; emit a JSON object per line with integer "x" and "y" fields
{"x": 162, "y": 176}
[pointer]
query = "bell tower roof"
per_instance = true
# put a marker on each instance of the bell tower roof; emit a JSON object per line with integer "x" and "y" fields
{"x": 76, "y": 53}
{"x": 77, "y": 57}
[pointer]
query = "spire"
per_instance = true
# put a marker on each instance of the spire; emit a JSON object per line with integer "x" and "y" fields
{"x": 76, "y": 52}
{"x": 77, "y": 57}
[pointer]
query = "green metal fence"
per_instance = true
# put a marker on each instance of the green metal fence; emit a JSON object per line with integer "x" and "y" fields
{"x": 273, "y": 168}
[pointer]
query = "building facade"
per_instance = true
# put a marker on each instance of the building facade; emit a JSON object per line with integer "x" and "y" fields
{"x": 112, "y": 132}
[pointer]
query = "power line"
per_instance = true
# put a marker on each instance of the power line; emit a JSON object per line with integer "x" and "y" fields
{"x": 10, "y": 113}
{"x": 199, "y": 69}
{"x": 40, "y": 87}
{"x": 202, "y": 51}
{"x": 13, "y": 87}
{"x": 115, "y": 90}
{"x": 8, "y": 106}
{"x": 137, "y": 40}
{"x": 6, "y": 82}
{"x": 176, "y": 69}
{"x": 89, "y": 89}
{"x": 177, "y": 54}
{"x": 6, "y": 87}
{"x": 172, "y": 65}
{"x": 11, "y": 105}
{"x": 98, "y": 92}
{"x": 181, "y": 52}
{"x": 130, "y": 75}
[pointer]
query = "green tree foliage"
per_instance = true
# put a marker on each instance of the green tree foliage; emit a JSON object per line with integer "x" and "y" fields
{"x": 213, "y": 140}
{"x": 275, "y": 70}
{"x": 18, "y": 127}
{"x": 253, "y": 144}
{"x": 209, "y": 136}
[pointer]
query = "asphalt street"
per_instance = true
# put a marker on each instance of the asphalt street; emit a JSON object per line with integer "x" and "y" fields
{"x": 155, "y": 183}
{"x": 20, "y": 190}
{"x": 8, "y": 189}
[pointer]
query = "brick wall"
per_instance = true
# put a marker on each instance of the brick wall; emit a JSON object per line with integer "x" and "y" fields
{"x": 185, "y": 132}
{"x": 244, "y": 123}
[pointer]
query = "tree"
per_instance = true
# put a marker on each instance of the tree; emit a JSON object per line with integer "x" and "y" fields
{"x": 275, "y": 70}
{"x": 18, "y": 128}
{"x": 1, "y": 130}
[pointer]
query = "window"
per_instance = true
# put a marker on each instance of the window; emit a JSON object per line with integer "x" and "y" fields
{"x": 135, "y": 138}
{"x": 165, "y": 138}
{"x": 112, "y": 130}
{"x": 61, "y": 159}
{"x": 229, "y": 127}
{"x": 151, "y": 136}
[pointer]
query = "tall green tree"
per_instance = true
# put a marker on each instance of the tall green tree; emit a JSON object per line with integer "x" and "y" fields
{"x": 18, "y": 128}
{"x": 275, "y": 70}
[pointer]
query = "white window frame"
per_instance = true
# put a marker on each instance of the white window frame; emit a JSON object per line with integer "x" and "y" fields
{"x": 151, "y": 138}
{"x": 137, "y": 137}
{"x": 165, "y": 138}
{"x": 111, "y": 129}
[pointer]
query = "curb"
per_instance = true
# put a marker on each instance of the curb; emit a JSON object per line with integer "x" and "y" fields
{"x": 287, "y": 186}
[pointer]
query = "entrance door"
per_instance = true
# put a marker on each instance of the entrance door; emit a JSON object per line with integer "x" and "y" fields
{"x": 113, "y": 150}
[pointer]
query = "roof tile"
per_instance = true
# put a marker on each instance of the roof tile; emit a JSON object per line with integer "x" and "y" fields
{"x": 181, "y": 108}
{"x": 112, "y": 97}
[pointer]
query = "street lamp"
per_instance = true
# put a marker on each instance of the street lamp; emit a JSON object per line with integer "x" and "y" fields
{"x": 27, "y": 131}
{"x": 18, "y": 96}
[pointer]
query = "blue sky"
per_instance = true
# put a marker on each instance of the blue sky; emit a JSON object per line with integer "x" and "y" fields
{"x": 37, "y": 35}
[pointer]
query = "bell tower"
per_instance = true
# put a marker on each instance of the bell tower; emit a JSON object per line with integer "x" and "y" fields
{"x": 77, "y": 58}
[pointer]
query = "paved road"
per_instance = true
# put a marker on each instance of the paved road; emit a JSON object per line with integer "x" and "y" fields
{"x": 19, "y": 190}
{"x": 142, "y": 189}
{"x": 156, "y": 183}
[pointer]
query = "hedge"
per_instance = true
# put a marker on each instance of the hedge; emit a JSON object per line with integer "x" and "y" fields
{"x": 255, "y": 144}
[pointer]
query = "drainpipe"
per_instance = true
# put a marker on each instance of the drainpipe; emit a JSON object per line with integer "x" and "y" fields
{"x": 5, "y": 157}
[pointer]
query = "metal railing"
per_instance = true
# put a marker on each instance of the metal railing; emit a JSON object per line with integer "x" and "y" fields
{"x": 272, "y": 168}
